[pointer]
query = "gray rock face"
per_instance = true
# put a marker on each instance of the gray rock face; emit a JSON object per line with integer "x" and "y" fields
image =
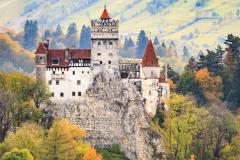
{"x": 112, "y": 113}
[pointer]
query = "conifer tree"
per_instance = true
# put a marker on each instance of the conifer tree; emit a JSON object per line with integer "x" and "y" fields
{"x": 47, "y": 35}
{"x": 141, "y": 43}
{"x": 58, "y": 32}
{"x": 233, "y": 42}
{"x": 71, "y": 38}
{"x": 85, "y": 37}
{"x": 156, "y": 41}
{"x": 186, "y": 54}
{"x": 213, "y": 61}
{"x": 30, "y": 35}
{"x": 126, "y": 44}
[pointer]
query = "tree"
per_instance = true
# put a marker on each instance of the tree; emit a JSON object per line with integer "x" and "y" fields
{"x": 186, "y": 54}
{"x": 233, "y": 42}
{"x": 192, "y": 65}
{"x": 182, "y": 122}
{"x": 85, "y": 37}
{"x": 213, "y": 61}
{"x": 62, "y": 141}
{"x": 232, "y": 88}
{"x": 171, "y": 74}
{"x": 16, "y": 154}
{"x": 16, "y": 104}
{"x": 188, "y": 86}
{"x": 47, "y": 35}
{"x": 128, "y": 43}
{"x": 172, "y": 52}
{"x": 71, "y": 38}
{"x": 8, "y": 104}
{"x": 156, "y": 41}
{"x": 91, "y": 154}
{"x": 218, "y": 131}
{"x": 232, "y": 151}
{"x": 30, "y": 136}
{"x": 58, "y": 33}
{"x": 211, "y": 85}
{"x": 30, "y": 34}
{"x": 141, "y": 43}
{"x": 162, "y": 50}
{"x": 39, "y": 93}
{"x": 113, "y": 152}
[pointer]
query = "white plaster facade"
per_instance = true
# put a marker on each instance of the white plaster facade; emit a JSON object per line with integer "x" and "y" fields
{"x": 68, "y": 84}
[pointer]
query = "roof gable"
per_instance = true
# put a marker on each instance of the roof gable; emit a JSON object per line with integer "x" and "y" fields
{"x": 41, "y": 49}
{"x": 150, "y": 58}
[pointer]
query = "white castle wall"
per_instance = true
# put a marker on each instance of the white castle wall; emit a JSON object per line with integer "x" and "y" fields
{"x": 68, "y": 82}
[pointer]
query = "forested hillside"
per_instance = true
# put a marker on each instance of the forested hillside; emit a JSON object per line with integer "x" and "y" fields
{"x": 198, "y": 24}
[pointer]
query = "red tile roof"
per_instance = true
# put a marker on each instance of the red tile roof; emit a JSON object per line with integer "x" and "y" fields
{"x": 60, "y": 54}
{"x": 80, "y": 53}
{"x": 57, "y": 54}
{"x": 150, "y": 58}
{"x": 41, "y": 49}
{"x": 105, "y": 14}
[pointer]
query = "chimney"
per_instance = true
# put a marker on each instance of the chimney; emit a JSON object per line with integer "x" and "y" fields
{"x": 67, "y": 54}
{"x": 46, "y": 44}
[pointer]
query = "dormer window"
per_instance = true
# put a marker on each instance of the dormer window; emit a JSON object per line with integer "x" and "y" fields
{"x": 55, "y": 61}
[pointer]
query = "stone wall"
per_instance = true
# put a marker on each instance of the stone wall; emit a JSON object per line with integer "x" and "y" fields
{"x": 113, "y": 113}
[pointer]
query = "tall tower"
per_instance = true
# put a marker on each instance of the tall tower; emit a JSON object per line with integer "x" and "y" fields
{"x": 104, "y": 37}
{"x": 41, "y": 62}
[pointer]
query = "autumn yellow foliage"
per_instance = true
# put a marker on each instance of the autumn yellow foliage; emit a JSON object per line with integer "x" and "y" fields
{"x": 211, "y": 85}
{"x": 91, "y": 154}
{"x": 171, "y": 84}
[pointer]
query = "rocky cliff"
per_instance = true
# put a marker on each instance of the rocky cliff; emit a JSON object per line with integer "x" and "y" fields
{"x": 113, "y": 113}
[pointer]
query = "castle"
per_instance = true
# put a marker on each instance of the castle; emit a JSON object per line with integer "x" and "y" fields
{"x": 69, "y": 72}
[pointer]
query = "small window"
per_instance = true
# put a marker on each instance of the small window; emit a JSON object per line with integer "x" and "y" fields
{"x": 109, "y": 62}
{"x": 87, "y": 72}
{"x": 110, "y": 43}
{"x": 41, "y": 58}
{"x": 52, "y": 94}
{"x": 53, "y": 72}
{"x": 55, "y": 61}
{"x": 100, "y": 62}
{"x": 99, "y": 45}
{"x": 82, "y": 72}
{"x": 61, "y": 94}
{"x": 57, "y": 82}
{"x": 62, "y": 72}
{"x": 78, "y": 82}
{"x": 49, "y": 82}
{"x": 79, "y": 94}
{"x": 99, "y": 54}
{"x": 73, "y": 72}
{"x": 73, "y": 94}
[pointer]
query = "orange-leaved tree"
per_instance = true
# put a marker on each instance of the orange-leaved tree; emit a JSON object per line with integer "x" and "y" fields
{"x": 211, "y": 85}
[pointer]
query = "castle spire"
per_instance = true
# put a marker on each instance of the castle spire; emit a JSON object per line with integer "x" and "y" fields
{"x": 150, "y": 58}
{"x": 105, "y": 14}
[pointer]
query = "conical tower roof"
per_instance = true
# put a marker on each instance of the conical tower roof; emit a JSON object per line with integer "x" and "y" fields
{"x": 149, "y": 58}
{"x": 105, "y": 14}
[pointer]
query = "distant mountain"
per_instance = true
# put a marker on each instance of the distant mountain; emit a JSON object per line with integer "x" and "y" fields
{"x": 197, "y": 24}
